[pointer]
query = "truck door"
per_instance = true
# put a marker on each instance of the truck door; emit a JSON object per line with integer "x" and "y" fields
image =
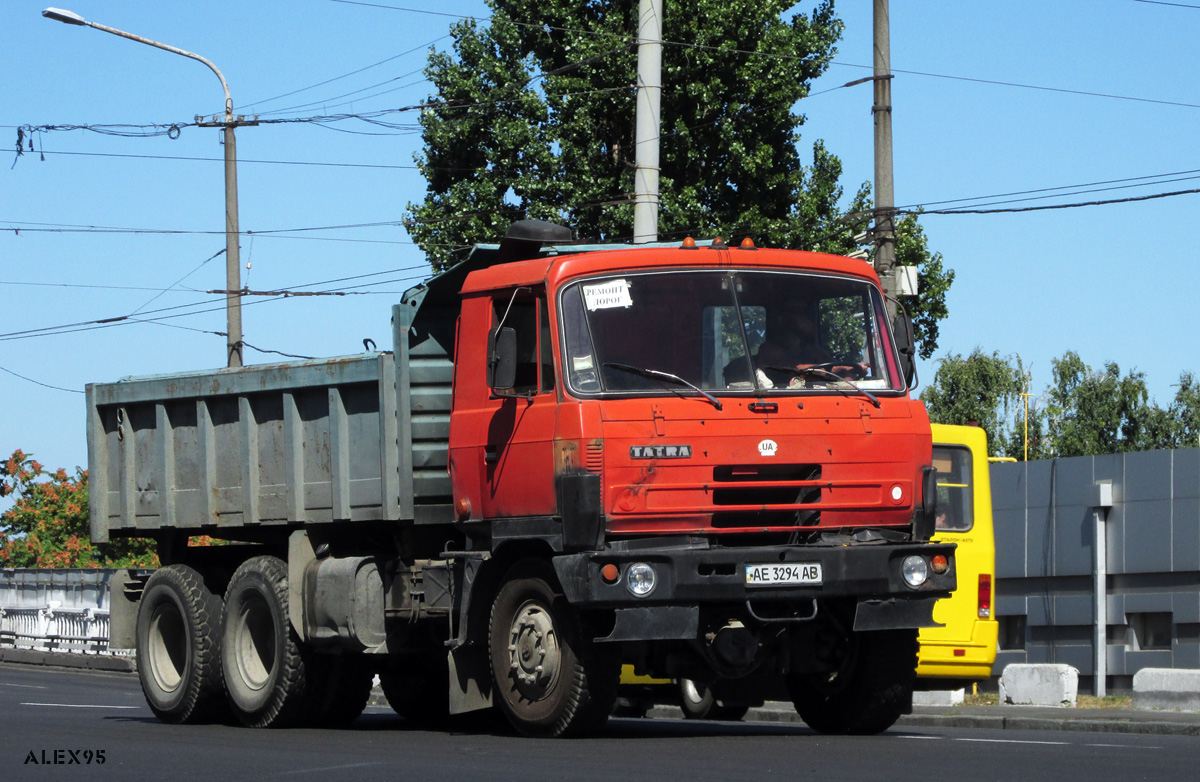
{"x": 512, "y": 429}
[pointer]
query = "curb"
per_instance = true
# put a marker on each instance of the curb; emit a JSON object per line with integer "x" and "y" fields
{"x": 1073, "y": 725}
{"x": 91, "y": 662}
{"x": 781, "y": 713}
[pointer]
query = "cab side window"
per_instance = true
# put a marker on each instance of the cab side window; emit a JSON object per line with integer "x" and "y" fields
{"x": 528, "y": 317}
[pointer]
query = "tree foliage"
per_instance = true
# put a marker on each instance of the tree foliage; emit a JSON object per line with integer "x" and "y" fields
{"x": 1092, "y": 412}
{"x": 981, "y": 389}
{"x": 536, "y": 120}
{"x": 933, "y": 282}
{"x": 1083, "y": 412}
{"x": 47, "y": 527}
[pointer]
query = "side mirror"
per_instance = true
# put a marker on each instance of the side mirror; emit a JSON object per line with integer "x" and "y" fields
{"x": 902, "y": 329}
{"x": 502, "y": 359}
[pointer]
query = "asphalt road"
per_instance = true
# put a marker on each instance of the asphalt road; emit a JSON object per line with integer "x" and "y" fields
{"x": 60, "y": 724}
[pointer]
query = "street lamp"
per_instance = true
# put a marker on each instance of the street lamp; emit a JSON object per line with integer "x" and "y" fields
{"x": 233, "y": 282}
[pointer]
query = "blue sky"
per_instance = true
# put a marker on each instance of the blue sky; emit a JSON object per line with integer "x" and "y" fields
{"x": 1111, "y": 282}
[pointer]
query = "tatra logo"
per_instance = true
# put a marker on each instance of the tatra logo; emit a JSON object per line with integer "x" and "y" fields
{"x": 767, "y": 448}
{"x": 660, "y": 452}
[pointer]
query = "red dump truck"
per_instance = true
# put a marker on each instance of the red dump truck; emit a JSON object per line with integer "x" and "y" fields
{"x": 573, "y": 458}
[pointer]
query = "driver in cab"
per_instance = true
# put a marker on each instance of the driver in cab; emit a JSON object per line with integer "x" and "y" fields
{"x": 795, "y": 343}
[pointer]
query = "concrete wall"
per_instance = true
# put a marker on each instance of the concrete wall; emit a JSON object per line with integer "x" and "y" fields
{"x": 1045, "y": 552}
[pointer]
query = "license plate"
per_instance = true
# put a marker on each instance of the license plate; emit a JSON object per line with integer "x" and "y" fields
{"x": 787, "y": 573}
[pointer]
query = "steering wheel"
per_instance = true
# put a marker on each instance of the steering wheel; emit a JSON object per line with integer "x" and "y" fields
{"x": 856, "y": 371}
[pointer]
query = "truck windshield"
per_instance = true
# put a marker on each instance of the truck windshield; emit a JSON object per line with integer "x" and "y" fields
{"x": 726, "y": 332}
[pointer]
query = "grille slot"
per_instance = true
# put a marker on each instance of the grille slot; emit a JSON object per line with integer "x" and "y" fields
{"x": 594, "y": 457}
{"x": 782, "y": 492}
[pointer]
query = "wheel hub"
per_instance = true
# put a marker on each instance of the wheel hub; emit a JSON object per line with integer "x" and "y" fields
{"x": 534, "y": 654}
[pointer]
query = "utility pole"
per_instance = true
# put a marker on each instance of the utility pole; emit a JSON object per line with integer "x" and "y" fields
{"x": 233, "y": 260}
{"x": 649, "y": 124}
{"x": 233, "y": 272}
{"x": 885, "y": 199}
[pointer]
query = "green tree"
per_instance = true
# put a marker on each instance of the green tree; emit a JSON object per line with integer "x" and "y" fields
{"x": 933, "y": 282}
{"x": 982, "y": 389}
{"x": 1184, "y": 413}
{"x": 537, "y": 120}
{"x": 1103, "y": 412}
{"x": 47, "y": 526}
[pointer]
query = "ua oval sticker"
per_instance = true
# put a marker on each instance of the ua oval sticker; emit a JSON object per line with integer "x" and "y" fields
{"x": 767, "y": 448}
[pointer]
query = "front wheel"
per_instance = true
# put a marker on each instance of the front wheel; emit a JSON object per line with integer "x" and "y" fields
{"x": 697, "y": 701}
{"x": 870, "y": 688}
{"x": 550, "y": 679}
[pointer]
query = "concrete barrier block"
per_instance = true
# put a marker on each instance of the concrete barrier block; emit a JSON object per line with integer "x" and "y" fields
{"x": 939, "y": 697}
{"x": 1167, "y": 689}
{"x": 1039, "y": 685}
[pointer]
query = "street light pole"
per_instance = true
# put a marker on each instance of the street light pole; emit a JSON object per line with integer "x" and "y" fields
{"x": 233, "y": 272}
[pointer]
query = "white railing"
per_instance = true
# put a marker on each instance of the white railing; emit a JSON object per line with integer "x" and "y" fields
{"x": 63, "y": 610}
{"x": 53, "y": 628}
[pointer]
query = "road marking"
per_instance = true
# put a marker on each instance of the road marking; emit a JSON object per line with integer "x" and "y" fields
{"x": 1121, "y": 746}
{"x": 23, "y": 686}
{"x": 81, "y": 705}
{"x": 927, "y": 738}
{"x": 298, "y": 772}
{"x": 1018, "y": 741}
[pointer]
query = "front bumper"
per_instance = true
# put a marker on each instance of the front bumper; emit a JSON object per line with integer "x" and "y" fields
{"x": 690, "y": 574}
{"x": 693, "y": 572}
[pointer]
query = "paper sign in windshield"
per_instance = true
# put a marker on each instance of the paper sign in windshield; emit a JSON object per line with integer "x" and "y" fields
{"x": 614, "y": 293}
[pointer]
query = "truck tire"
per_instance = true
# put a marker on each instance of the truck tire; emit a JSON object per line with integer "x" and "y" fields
{"x": 179, "y": 646}
{"x": 868, "y": 692}
{"x": 550, "y": 680}
{"x": 416, "y": 687}
{"x": 698, "y": 703}
{"x": 263, "y": 664}
{"x": 337, "y": 688}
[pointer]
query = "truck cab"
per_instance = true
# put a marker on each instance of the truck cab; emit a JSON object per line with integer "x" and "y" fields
{"x": 723, "y": 497}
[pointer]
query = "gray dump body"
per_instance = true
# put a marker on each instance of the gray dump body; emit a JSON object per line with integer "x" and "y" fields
{"x": 350, "y": 439}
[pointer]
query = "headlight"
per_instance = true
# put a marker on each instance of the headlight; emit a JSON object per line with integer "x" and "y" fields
{"x": 915, "y": 571}
{"x": 640, "y": 579}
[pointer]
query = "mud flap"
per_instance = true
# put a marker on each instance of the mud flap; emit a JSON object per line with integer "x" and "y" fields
{"x": 655, "y": 623}
{"x": 470, "y": 680}
{"x": 895, "y": 614}
{"x": 579, "y": 504}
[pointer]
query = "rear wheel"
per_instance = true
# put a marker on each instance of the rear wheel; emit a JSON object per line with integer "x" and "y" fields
{"x": 178, "y": 646}
{"x": 698, "y": 703}
{"x": 263, "y": 666}
{"x": 869, "y": 690}
{"x": 337, "y": 688}
{"x": 550, "y": 679}
{"x": 417, "y": 686}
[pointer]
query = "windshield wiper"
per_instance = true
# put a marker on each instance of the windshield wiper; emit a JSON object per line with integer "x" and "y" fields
{"x": 655, "y": 374}
{"x": 825, "y": 373}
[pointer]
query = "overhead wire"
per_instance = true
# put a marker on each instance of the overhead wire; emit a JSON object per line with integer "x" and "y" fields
{"x": 181, "y": 279}
{"x": 344, "y": 75}
{"x": 40, "y": 383}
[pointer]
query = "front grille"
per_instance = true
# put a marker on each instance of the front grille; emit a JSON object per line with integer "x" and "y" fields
{"x": 787, "y": 484}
